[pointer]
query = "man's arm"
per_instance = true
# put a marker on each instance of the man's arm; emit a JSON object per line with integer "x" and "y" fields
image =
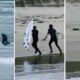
{"x": 45, "y": 36}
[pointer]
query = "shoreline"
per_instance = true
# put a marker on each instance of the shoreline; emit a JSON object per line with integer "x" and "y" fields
{"x": 43, "y": 59}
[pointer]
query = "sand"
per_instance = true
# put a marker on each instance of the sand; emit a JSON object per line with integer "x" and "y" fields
{"x": 73, "y": 37}
{"x": 42, "y": 16}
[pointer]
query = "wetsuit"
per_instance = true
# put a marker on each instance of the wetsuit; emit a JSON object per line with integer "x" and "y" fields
{"x": 53, "y": 36}
{"x": 35, "y": 40}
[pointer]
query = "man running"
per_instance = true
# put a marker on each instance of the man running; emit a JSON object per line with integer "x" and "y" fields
{"x": 53, "y": 36}
{"x": 35, "y": 40}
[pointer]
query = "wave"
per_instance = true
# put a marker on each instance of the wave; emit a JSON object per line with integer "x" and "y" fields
{"x": 7, "y": 1}
{"x": 46, "y": 76}
{"x": 27, "y": 69}
{"x": 8, "y": 16}
{"x": 73, "y": 79}
{"x": 73, "y": 75}
{"x": 6, "y": 60}
{"x": 7, "y": 9}
{"x": 6, "y": 51}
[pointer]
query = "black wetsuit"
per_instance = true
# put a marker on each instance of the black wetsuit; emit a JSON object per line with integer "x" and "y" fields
{"x": 4, "y": 39}
{"x": 52, "y": 33}
{"x": 35, "y": 40}
{"x": 53, "y": 36}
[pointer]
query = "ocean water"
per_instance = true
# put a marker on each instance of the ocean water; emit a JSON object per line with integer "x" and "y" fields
{"x": 73, "y": 75}
{"x": 43, "y": 76}
{"x": 40, "y": 71}
{"x": 7, "y": 19}
{"x": 73, "y": 79}
{"x": 6, "y": 71}
{"x": 7, "y": 52}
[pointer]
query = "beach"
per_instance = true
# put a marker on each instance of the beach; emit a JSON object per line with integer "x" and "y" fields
{"x": 31, "y": 65}
{"x": 72, "y": 37}
{"x": 42, "y": 18}
{"x": 72, "y": 41}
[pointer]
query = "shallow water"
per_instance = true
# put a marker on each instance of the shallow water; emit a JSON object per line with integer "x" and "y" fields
{"x": 73, "y": 76}
{"x": 6, "y": 71}
{"x": 44, "y": 70}
{"x": 39, "y": 71}
{"x": 43, "y": 76}
{"x": 33, "y": 68}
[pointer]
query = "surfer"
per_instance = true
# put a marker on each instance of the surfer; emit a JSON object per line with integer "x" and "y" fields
{"x": 35, "y": 40}
{"x": 53, "y": 36}
{"x": 4, "y": 39}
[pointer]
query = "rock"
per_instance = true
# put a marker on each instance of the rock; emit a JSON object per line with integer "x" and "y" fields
{"x": 75, "y": 29}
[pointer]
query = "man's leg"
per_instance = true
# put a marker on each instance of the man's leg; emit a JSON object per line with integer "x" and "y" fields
{"x": 50, "y": 42}
{"x": 56, "y": 43}
{"x": 33, "y": 44}
{"x": 37, "y": 49}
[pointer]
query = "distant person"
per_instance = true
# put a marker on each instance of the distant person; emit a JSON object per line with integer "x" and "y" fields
{"x": 4, "y": 39}
{"x": 53, "y": 36}
{"x": 35, "y": 40}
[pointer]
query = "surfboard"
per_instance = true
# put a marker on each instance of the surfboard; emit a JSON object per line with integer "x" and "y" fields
{"x": 59, "y": 35}
{"x": 28, "y": 35}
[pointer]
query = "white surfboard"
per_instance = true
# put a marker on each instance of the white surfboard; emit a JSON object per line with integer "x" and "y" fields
{"x": 28, "y": 35}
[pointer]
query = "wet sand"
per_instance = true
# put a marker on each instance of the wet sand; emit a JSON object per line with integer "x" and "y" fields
{"x": 73, "y": 66}
{"x": 43, "y": 59}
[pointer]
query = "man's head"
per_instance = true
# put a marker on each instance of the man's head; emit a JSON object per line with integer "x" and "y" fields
{"x": 34, "y": 27}
{"x": 51, "y": 26}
